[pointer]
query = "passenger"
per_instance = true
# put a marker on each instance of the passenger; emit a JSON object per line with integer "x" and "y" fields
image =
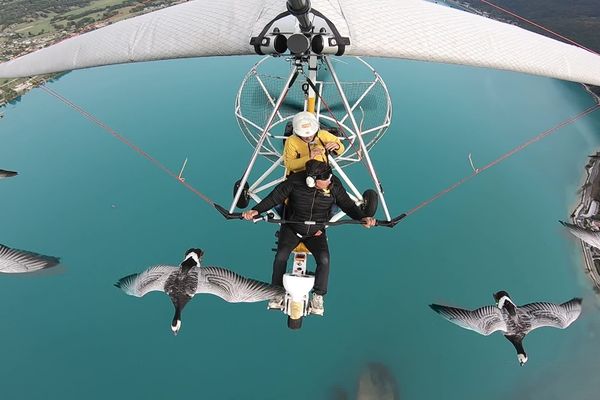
{"x": 308, "y": 143}
{"x": 310, "y": 195}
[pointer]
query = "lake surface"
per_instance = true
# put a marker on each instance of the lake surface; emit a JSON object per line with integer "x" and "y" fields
{"x": 107, "y": 212}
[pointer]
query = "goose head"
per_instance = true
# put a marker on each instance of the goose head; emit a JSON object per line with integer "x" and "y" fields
{"x": 503, "y": 301}
{"x": 179, "y": 304}
{"x": 522, "y": 358}
{"x": 517, "y": 341}
{"x": 175, "y": 326}
{"x": 192, "y": 259}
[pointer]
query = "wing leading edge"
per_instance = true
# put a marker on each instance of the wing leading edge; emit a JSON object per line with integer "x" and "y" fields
{"x": 408, "y": 29}
{"x": 192, "y": 29}
{"x": 419, "y": 30}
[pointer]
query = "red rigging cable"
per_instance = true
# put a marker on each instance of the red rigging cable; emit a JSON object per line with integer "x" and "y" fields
{"x": 124, "y": 140}
{"x": 538, "y": 25}
{"x": 340, "y": 127}
{"x": 503, "y": 157}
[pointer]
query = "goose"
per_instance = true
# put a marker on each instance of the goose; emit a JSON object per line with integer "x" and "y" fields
{"x": 514, "y": 321}
{"x": 7, "y": 174}
{"x": 590, "y": 237}
{"x": 183, "y": 282}
{"x": 13, "y": 261}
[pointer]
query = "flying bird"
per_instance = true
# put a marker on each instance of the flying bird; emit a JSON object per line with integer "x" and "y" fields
{"x": 514, "y": 321}
{"x": 590, "y": 237}
{"x": 14, "y": 261}
{"x": 7, "y": 174}
{"x": 183, "y": 282}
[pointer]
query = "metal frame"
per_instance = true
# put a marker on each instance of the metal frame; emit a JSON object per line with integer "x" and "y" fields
{"x": 264, "y": 146}
{"x": 292, "y": 76}
{"x": 359, "y": 137}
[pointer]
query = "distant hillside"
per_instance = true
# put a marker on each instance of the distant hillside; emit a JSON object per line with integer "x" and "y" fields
{"x": 18, "y": 11}
{"x": 578, "y": 20}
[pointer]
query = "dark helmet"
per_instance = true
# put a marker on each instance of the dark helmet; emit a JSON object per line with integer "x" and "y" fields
{"x": 316, "y": 170}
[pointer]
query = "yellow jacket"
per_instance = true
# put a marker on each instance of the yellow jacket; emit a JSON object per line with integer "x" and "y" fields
{"x": 296, "y": 151}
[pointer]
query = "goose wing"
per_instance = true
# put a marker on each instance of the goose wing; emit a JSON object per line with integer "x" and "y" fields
{"x": 234, "y": 288}
{"x": 590, "y": 237}
{"x": 152, "y": 279}
{"x": 13, "y": 261}
{"x": 553, "y": 315}
{"x": 7, "y": 174}
{"x": 484, "y": 320}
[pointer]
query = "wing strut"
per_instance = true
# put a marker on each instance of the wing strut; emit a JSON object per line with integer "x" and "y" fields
{"x": 359, "y": 137}
{"x": 263, "y": 135}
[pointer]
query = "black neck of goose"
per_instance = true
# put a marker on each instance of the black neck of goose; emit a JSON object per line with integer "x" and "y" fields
{"x": 510, "y": 307}
{"x": 179, "y": 302}
{"x": 177, "y": 316}
{"x": 518, "y": 343}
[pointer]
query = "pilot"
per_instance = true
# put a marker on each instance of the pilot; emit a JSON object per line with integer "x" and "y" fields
{"x": 310, "y": 194}
{"x": 308, "y": 143}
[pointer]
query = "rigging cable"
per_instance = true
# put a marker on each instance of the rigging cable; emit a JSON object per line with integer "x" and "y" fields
{"x": 524, "y": 145}
{"x": 341, "y": 129}
{"x": 538, "y": 26}
{"x": 114, "y": 133}
{"x": 157, "y": 163}
{"x": 505, "y": 156}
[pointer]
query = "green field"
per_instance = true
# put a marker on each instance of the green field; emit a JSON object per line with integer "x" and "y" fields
{"x": 100, "y": 4}
{"x": 44, "y": 25}
{"x": 35, "y": 27}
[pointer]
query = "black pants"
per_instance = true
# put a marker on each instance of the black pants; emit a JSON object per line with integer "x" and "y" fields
{"x": 317, "y": 245}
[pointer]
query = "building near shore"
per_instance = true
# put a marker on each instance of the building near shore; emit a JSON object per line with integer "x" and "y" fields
{"x": 23, "y": 87}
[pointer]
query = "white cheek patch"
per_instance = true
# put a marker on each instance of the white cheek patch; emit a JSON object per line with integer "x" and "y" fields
{"x": 522, "y": 358}
{"x": 193, "y": 256}
{"x": 176, "y": 327}
{"x": 503, "y": 300}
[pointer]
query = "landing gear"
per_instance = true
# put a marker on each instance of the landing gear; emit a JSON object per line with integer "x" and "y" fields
{"x": 294, "y": 323}
{"x": 244, "y": 199}
{"x": 298, "y": 285}
{"x": 371, "y": 200}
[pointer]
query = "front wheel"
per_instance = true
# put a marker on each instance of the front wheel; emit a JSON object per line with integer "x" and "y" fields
{"x": 244, "y": 199}
{"x": 294, "y": 323}
{"x": 371, "y": 200}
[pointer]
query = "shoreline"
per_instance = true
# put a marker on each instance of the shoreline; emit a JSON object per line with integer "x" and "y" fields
{"x": 14, "y": 43}
{"x": 592, "y": 170}
{"x": 591, "y": 93}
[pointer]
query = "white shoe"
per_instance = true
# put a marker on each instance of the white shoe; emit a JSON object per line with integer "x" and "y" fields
{"x": 316, "y": 304}
{"x": 276, "y": 303}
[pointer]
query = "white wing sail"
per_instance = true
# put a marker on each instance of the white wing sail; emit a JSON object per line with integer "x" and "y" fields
{"x": 193, "y": 29}
{"x": 419, "y": 30}
{"x": 409, "y": 29}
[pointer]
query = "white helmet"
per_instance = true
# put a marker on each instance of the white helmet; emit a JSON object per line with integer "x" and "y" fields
{"x": 305, "y": 124}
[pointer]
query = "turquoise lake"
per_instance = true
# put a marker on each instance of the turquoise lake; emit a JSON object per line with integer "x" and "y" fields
{"x": 108, "y": 212}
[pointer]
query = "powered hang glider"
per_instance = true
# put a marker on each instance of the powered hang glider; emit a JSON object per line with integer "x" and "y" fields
{"x": 310, "y": 33}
